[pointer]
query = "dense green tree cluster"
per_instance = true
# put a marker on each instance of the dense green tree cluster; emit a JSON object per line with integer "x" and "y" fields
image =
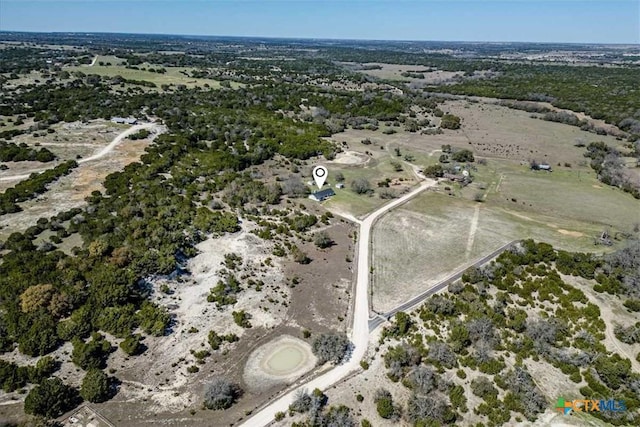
{"x": 96, "y": 386}
{"x": 51, "y": 398}
{"x": 92, "y": 354}
{"x": 603, "y": 93}
{"x": 608, "y": 164}
{"x": 10, "y": 152}
{"x": 13, "y": 377}
{"x": 19, "y": 59}
{"x": 462, "y": 156}
{"x": 141, "y": 134}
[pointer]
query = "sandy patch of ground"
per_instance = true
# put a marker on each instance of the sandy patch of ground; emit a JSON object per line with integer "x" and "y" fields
{"x": 351, "y": 158}
{"x": 70, "y": 191}
{"x": 173, "y": 388}
{"x": 282, "y": 360}
{"x": 472, "y": 230}
{"x": 570, "y": 233}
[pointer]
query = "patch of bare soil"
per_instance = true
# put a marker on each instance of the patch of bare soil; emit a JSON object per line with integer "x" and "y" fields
{"x": 321, "y": 301}
{"x": 570, "y": 233}
{"x": 195, "y": 317}
{"x": 351, "y": 158}
{"x": 70, "y": 191}
{"x": 159, "y": 377}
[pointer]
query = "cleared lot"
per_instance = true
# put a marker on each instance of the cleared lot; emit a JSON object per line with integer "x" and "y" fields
{"x": 423, "y": 242}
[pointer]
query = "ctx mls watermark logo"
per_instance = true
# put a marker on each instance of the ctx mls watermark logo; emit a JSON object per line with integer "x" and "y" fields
{"x": 589, "y": 405}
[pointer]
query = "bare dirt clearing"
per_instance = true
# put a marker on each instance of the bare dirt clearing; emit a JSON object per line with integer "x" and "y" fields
{"x": 69, "y": 141}
{"x": 350, "y": 158}
{"x": 318, "y": 302}
{"x": 70, "y": 191}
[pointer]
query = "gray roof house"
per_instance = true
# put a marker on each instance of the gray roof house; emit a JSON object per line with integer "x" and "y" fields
{"x": 322, "y": 195}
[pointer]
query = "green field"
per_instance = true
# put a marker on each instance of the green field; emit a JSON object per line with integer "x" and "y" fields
{"x": 172, "y": 76}
{"x": 434, "y": 235}
{"x": 564, "y": 195}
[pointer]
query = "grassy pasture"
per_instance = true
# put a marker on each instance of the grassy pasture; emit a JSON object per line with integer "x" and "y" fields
{"x": 565, "y": 194}
{"x": 394, "y": 72}
{"x": 376, "y": 170}
{"x": 423, "y": 242}
{"x": 172, "y": 76}
{"x": 436, "y": 234}
{"x": 114, "y": 60}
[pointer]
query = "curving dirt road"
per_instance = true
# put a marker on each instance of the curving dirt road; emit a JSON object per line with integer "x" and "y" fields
{"x": 360, "y": 330}
{"x": 106, "y": 150}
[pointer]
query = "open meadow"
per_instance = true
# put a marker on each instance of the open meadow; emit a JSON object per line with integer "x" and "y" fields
{"x": 172, "y": 76}
{"x": 447, "y": 229}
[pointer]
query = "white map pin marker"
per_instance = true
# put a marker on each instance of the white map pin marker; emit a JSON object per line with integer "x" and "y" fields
{"x": 320, "y": 174}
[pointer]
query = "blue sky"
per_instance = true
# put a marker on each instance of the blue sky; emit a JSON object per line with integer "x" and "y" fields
{"x": 576, "y": 21}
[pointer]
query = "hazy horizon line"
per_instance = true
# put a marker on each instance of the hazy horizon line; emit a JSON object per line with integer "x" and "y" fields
{"x": 320, "y": 38}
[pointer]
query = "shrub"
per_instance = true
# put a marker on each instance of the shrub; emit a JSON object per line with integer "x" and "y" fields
{"x": 299, "y": 256}
{"x": 322, "y": 239}
{"x": 301, "y": 402}
{"x": 384, "y": 404}
{"x": 95, "y": 386}
{"x": 449, "y": 121}
{"x": 132, "y": 345}
{"x": 361, "y": 186}
{"x": 331, "y": 348}
{"x": 242, "y": 318}
{"x": 214, "y": 339}
{"x": 221, "y": 394}
{"x": 51, "y": 399}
